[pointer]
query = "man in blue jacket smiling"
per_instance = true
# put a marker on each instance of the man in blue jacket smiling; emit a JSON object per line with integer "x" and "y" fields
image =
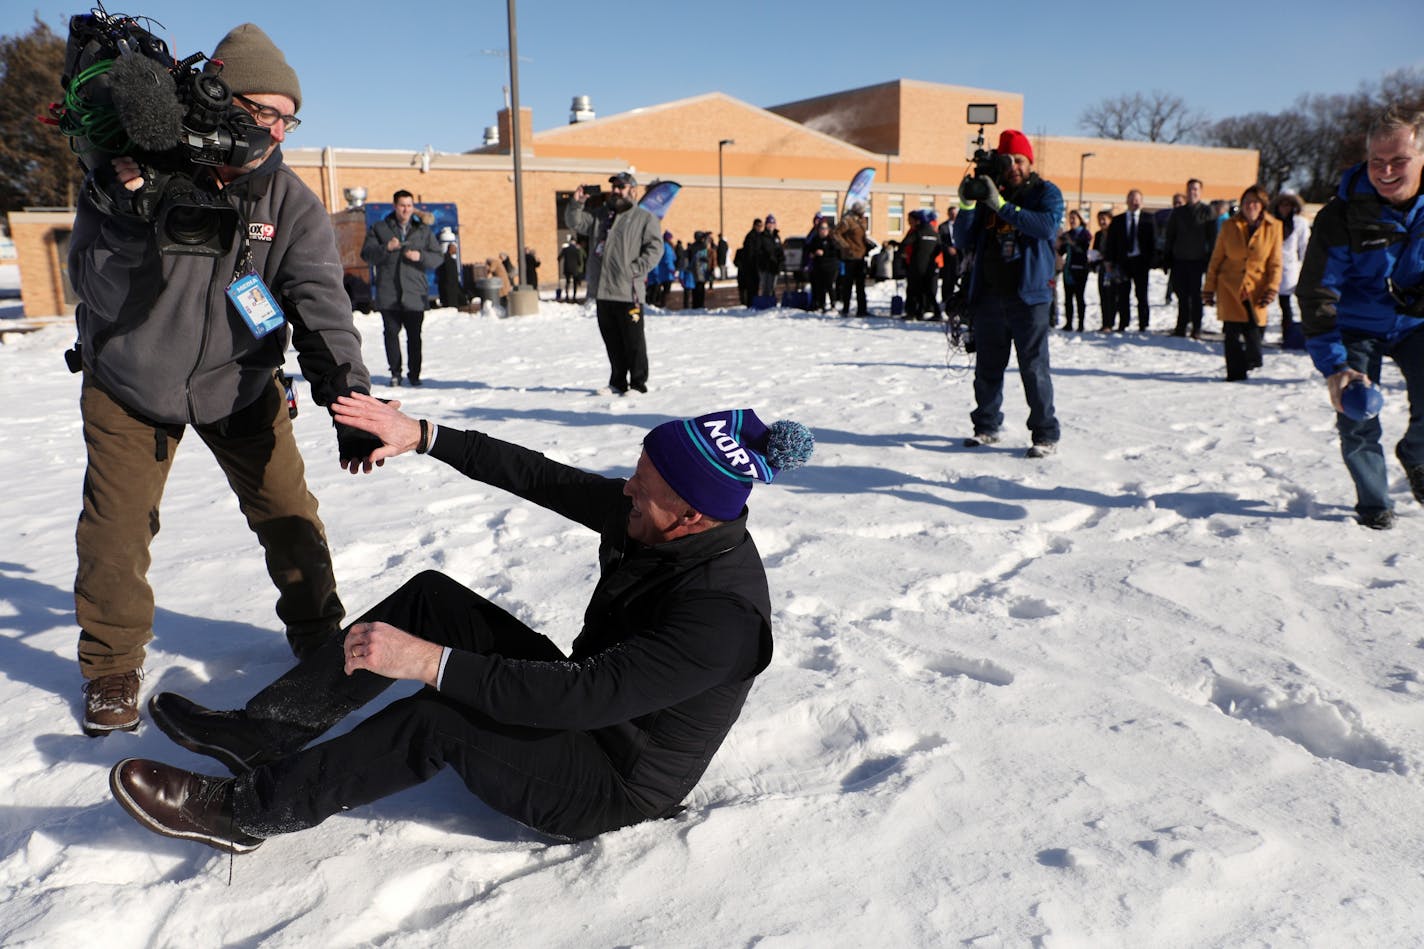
{"x": 616, "y": 732}
{"x": 1010, "y": 234}
{"x": 1361, "y": 296}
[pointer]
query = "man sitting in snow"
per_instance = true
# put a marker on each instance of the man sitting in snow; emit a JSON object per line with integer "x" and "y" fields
{"x": 617, "y": 732}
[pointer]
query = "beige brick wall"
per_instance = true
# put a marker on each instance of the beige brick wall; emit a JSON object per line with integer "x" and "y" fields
{"x": 1156, "y": 170}
{"x": 42, "y": 272}
{"x": 932, "y": 120}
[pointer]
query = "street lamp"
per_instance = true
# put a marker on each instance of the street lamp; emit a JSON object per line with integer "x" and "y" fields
{"x": 721, "y": 207}
{"x": 1082, "y": 160}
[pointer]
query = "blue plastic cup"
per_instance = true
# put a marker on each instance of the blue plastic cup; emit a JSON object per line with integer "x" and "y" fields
{"x": 1361, "y": 401}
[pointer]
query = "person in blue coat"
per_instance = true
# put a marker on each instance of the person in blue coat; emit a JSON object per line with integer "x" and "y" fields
{"x": 661, "y": 277}
{"x": 1011, "y": 235}
{"x": 1361, "y": 296}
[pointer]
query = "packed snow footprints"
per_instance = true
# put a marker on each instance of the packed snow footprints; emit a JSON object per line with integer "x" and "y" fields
{"x": 1327, "y": 728}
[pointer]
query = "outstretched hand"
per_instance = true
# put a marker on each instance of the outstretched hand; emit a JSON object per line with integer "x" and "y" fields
{"x": 398, "y": 432}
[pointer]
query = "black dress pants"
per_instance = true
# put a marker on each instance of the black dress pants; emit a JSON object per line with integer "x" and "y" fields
{"x": 853, "y": 280}
{"x": 1136, "y": 272}
{"x": 1187, "y": 284}
{"x": 558, "y": 782}
{"x": 623, "y": 339}
{"x": 1242, "y": 342}
{"x": 393, "y": 321}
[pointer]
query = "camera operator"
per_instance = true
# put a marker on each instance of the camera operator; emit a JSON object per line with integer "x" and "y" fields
{"x": 171, "y": 340}
{"x": 1009, "y": 237}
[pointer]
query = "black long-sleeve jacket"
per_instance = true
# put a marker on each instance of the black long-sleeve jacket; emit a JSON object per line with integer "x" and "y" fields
{"x": 672, "y": 638}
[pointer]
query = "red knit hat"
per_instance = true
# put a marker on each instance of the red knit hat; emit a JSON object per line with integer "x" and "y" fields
{"x": 1014, "y": 142}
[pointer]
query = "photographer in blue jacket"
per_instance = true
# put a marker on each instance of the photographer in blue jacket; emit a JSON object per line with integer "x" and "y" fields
{"x": 1007, "y": 224}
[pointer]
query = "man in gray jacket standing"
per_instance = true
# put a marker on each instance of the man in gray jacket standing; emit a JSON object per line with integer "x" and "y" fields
{"x": 402, "y": 248}
{"x": 625, "y": 244}
{"x": 172, "y": 341}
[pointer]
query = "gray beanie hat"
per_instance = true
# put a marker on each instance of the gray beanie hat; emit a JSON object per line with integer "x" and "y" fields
{"x": 253, "y": 63}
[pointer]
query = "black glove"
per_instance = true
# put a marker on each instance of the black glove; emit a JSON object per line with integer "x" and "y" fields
{"x": 992, "y": 196}
{"x": 352, "y": 444}
{"x": 112, "y": 198}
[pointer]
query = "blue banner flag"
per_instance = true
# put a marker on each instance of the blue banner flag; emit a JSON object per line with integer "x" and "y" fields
{"x": 658, "y": 196}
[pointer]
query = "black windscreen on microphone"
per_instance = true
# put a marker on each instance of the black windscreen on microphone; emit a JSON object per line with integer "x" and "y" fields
{"x": 146, "y": 99}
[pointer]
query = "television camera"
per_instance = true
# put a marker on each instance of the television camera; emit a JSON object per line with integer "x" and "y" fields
{"x": 987, "y": 162}
{"x": 126, "y": 95}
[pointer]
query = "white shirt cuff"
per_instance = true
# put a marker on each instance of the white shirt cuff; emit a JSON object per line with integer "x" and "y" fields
{"x": 440, "y": 674}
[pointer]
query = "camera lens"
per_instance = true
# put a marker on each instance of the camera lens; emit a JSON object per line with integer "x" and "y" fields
{"x": 191, "y": 226}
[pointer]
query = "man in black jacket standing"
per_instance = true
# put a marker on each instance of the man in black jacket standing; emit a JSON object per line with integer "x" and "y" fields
{"x": 402, "y": 248}
{"x": 617, "y": 732}
{"x": 1191, "y": 235}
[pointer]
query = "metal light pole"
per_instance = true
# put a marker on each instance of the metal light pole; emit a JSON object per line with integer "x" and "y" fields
{"x": 721, "y": 206}
{"x": 1082, "y": 161}
{"x": 527, "y": 302}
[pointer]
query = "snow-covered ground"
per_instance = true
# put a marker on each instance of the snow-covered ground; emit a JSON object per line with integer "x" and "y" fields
{"x": 1158, "y": 690}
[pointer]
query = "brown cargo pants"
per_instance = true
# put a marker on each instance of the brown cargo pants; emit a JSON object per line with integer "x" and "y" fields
{"x": 129, "y": 458}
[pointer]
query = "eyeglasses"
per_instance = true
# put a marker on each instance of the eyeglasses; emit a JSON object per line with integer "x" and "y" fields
{"x": 267, "y": 116}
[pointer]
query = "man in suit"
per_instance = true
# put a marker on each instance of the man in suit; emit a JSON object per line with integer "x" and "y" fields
{"x": 1131, "y": 242}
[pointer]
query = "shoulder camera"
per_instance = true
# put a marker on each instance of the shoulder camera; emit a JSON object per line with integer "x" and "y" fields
{"x": 125, "y": 94}
{"x": 987, "y": 162}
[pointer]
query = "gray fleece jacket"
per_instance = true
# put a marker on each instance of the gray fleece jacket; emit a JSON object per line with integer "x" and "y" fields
{"x": 159, "y": 334}
{"x": 622, "y": 250}
{"x": 401, "y": 284}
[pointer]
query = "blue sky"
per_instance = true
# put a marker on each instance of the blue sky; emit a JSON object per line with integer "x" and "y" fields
{"x": 437, "y": 78}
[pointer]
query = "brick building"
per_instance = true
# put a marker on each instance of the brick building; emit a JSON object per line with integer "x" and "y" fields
{"x": 793, "y": 160}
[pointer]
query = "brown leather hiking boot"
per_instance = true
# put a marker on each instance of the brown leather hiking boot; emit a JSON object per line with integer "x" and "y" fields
{"x": 111, "y": 704}
{"x": 181, "y": 804}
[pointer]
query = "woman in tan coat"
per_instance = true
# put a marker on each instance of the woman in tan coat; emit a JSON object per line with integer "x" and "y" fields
{"x": 1242, "y": 278}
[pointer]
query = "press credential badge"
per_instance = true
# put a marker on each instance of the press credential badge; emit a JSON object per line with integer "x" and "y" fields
{"x": 255, "y": 302}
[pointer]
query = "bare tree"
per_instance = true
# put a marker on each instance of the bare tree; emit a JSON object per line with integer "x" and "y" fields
{"x": 1283, "y": 140}
{"x": 1111, "y": 118}
{"x": 1154, "y": 117}
{"x": 36, "y": 164}
{"x": 1164, "y": 117}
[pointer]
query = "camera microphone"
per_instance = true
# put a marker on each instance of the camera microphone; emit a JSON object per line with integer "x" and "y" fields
{"x": 146, "y": 100}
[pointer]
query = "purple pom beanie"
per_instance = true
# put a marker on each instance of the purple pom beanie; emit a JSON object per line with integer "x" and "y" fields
{"x": 712, "y": 461}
